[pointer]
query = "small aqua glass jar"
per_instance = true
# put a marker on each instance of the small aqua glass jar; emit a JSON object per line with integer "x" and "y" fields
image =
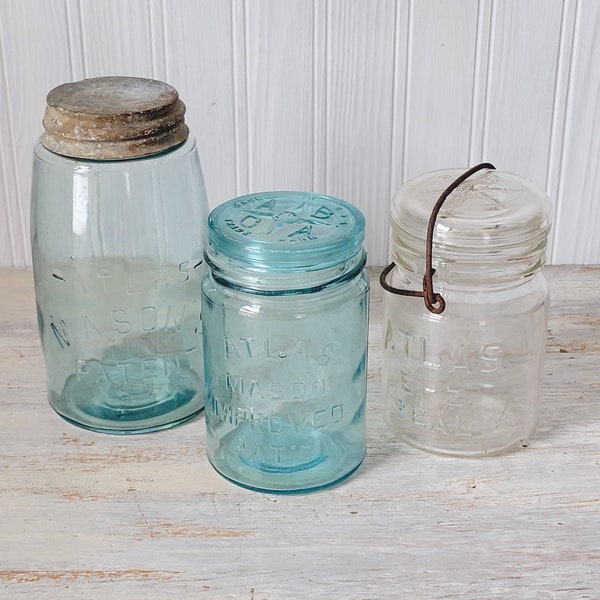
{"x": 118, "y": 234}
{"x": 285, "y": 316}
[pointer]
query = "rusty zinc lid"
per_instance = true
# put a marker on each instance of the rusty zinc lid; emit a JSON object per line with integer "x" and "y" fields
{"x": 109, "y": 118}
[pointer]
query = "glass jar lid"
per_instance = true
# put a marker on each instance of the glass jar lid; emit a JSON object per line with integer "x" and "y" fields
{"x": 490, "y": 210}
{"x": 258, "y": 238}
{"x": 491, "y": 227}
{"x": 113, "y": 118}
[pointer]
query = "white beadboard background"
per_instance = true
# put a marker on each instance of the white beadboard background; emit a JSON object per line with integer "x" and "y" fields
{"x": 344, "y": 97}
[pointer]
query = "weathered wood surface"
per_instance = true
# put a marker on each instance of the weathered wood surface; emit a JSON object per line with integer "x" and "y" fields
{"x": 90, "y": 515}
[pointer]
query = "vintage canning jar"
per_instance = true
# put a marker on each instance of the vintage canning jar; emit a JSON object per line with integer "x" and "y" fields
{"x": 462, "y": 370}
{"x": 118, "y": 232}
{"x": 285, "y": 310}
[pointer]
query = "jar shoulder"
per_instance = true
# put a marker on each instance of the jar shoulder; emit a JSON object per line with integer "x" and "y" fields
{"x": 477, "y": 292}
{"x": 217, "y": 293}
{"x": 44, "y": 156}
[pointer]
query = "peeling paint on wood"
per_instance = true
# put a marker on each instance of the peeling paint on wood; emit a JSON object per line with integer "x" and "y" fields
{"x": 73, "y": 576}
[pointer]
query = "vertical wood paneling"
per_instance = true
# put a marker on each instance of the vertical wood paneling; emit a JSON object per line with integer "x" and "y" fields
{"x": 480, "y": 81}
{"x": 360, "y": 80}
{"x": 578, "y": 216}
{"x": 319, "y": 155}
{"x": 398, "y": 125}
{"x": 522, "y": 79}
{"x": 198, "y": 62}
{"x": 35, "y": 58}
{"x": 559, "y": 118}
{"x": 439, "y": 85}
{"x": 239, "y": 26}
{"x": 117, "y": 38}
{"x": 11, "y": 203}
{"x": 75, "y": 39}
{"x": 157, "y": 14}
{"x": 399, "y": 130}
{"x": 346, "y": 97}
{"x": 281, "y": 107}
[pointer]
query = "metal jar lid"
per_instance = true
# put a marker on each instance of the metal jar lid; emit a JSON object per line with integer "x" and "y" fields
{"x": 112, "y": 118}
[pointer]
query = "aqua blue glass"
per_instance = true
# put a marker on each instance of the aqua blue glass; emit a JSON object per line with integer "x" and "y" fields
{"x": 285, "y": 315}
{"x": 118, "y": 261}
{"x": 117, "y": 249}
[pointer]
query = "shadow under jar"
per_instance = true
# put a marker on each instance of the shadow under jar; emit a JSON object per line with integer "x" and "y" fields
{"x": 118, "y": 233}
{"x": 285, "y": 309}
{"x": 465, "y": 380}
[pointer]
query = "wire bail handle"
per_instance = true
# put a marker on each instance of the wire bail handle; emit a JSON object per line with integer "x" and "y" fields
{"x": 433, "y": 301}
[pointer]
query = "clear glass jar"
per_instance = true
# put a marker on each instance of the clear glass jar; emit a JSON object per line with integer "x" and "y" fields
{"x": 466, "y": 381}
{"x": 285, "y": 309}
{"x": 118, "y": 255}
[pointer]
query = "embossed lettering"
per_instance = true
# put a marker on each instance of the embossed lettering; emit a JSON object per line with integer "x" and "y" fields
{"x": 461, "y": 358}
{"x": 250, "y": 221}
{"x": 276, "y": 423}
{"x": 489, "y": 356}
{"x": 91, "y": 330}
{"x": 250, "y": 347}
{"x": 184, "y": 270}
{"x": 234, "y": 227}
{"x": 123, "y": 326}
{"x": 148, "y": 318}
{"x": 171, "y": 321}
{"x": 323, "y": 212}
{"x": 298, "y": 390}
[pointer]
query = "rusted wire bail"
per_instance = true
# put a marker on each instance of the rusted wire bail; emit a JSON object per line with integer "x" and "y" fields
{"x": 433, "y": 301}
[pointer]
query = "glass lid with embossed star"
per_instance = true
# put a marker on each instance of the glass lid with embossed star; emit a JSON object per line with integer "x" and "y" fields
{"x": 491, "y": 209}
{"x": 285, "y": 231}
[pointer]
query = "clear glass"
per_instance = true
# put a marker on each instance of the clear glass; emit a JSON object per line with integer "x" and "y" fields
{"x": 286, "y": 365}
{"x": 467, "y": 382}
{"x": 118, "y": 260}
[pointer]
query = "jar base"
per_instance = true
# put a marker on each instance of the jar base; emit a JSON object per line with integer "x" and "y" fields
{"x": 307, "y": 489}
{"x": 138, "y": 430}
{"x": 300, "y": 464}
{"x": 464, "y": 453}
{"x": 99, "y": 408}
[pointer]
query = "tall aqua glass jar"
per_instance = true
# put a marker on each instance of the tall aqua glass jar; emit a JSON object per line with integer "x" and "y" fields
{"x": 285, "y": 309}
{"x": 118, "y": 235}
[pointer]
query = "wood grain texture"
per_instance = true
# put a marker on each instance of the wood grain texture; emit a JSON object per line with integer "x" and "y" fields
{"x": 90, "y": 515}
{"x": 115, "y": 40}
{"x": 440, "y": 82}
{"x": 280, "y": 64}
{"x": 559, "y": 119}
{"x": 35, "y": 58}
{"x": 360, "y": 69}
{"x": 198, "y": 62}
{"x": 346, "y": 97}
{"x": 578, "y": 217}
{"x": 521, "y": 87}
